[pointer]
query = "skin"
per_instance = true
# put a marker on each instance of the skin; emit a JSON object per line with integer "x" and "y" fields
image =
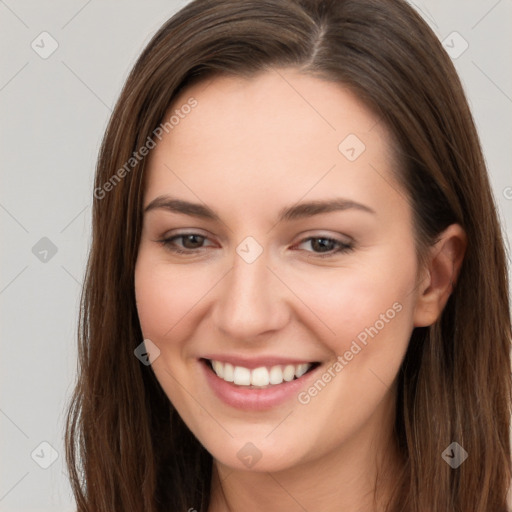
{"x": 248, "y": 149}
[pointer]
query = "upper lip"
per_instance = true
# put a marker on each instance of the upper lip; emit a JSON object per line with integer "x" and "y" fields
{"x": 257, "y": 362}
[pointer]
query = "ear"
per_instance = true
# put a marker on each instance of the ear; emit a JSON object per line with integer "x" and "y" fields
{"x": 444, "y": 262}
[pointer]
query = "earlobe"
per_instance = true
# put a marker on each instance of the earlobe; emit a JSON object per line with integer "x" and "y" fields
{"x": 444, "y": 265}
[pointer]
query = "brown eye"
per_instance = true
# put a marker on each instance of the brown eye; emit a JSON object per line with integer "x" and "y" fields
{"x": 191, "y": 242}
{"x": 325, "y": 247}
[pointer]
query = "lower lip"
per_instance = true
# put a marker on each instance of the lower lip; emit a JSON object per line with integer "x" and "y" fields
{"x": 251, "y": 398}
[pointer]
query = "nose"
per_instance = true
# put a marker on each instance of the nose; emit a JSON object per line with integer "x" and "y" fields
{"x": 251, "y": 300}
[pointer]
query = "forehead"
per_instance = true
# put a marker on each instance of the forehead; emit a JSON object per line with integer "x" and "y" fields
{"x": 279, "y": 131}
{"x": 280, "y": 102}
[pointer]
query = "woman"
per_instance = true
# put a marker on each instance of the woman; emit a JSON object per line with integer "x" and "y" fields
{"x": 297, "y": 295}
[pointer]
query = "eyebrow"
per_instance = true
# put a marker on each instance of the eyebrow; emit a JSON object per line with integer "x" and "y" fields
{"x": 297, "y": 211}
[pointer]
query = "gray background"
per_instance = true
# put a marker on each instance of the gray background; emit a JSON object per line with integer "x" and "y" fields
{"x": 54, "y": 111}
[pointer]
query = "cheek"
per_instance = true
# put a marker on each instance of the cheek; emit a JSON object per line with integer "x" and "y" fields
{"x": 372, "y": 318}
{"x": 164, "y": 295}
{"x": 155, "y": 302}
{"x": 372, "y": 301}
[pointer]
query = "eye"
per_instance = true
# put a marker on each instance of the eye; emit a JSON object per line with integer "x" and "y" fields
{"x": 323, "y": 247}
{"x": 327, "y": 246}
{"x": 191, "y": 243}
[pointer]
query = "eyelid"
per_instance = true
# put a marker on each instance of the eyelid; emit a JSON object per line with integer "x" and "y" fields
{"x": 342, "y": 245}
{"x": 339, "y": 237}
{"x": 167, "y": 240}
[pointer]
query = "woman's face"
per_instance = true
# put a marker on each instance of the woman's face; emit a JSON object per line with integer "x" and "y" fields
{"x": 298, "y": 250}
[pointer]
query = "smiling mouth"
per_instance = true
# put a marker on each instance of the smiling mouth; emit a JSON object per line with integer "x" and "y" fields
{"x": 259, "y": 378}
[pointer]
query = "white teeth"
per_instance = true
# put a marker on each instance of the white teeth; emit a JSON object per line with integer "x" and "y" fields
{"x": 259, "y": 377}
{"x": 289, "y": 372}
{"x": 301, "y": 370}
{"x": 242, "y": 376}
{"x": 227, "y": 373}
{"x": 276, "y": 375}
{"x": 219, "y": 368}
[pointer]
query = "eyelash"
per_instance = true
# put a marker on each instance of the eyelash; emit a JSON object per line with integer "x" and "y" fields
{"x": 342, "y": 246}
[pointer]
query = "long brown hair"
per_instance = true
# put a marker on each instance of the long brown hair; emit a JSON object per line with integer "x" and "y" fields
{"x": 127, "y": 448}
